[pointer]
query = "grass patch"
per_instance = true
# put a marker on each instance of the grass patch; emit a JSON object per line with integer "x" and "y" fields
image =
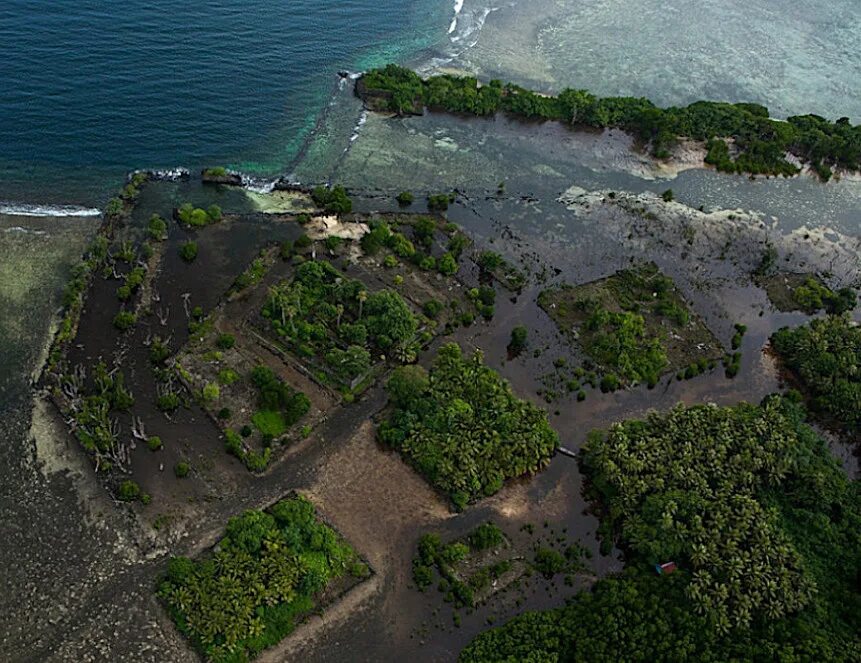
{"x": 269, "y": 422}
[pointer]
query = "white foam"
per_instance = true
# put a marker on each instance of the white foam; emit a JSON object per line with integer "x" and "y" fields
{"x": 362, "y": 119}
{"x": 24, "y": 209}
{"x": 25, "y": 231}
{"x": 167, "y": 175}
{"x": 474, "y": 26}
{"x": 458, "y": 6}
{"x": 257, "y": 185}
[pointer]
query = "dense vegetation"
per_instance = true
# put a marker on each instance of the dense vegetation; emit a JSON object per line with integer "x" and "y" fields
{"x": 333, "y": 201}
{"x": 826, "y": 356}
{"x": 263, "y": 577}
{"x": 197, "y": 217}
{"x": 618, "y": 340}
{"x": 758, "y": 143}
{"x": 812, "y": 296}
{"x": 323, "y": 314}
{"x": 761, "y": 521}
{"x": 463, "y": 428}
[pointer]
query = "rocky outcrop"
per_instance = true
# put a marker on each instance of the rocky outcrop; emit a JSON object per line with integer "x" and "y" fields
{"x": 220, "y": 176}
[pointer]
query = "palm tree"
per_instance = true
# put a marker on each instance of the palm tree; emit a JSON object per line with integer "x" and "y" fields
{"x": 362, "y": 297}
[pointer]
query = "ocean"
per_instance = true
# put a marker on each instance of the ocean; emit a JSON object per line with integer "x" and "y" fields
{"x": 90, "y": 89}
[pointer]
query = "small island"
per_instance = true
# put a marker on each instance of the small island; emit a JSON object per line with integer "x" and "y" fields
{"x": 737, "y": 138}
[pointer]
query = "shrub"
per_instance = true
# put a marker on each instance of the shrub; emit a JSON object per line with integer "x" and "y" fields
{"x": 422, "y": 576}
{"x": 377, "y": 237}
{"x": 124, "y": 320}
{"x": 490, "y": 260}
{"x": 454, "y": 552}
{"x": 181, "y": 469}
{"x": 211, "y": 392}
{"x": 275, "y": 396}
{"x": 432, "y": 308}
{"x": 401, "y": 246}
{"x": 354, "y": 334}
{"x": 486, "y": 535}
{"x": 610, "y": 382}
{"x": 225, "y": 341}
{"x": 154, "y": 443}
{"x": 548, "y": 562}
{"x": 157, "y": 228}
{"x": 128, "y": 491}
{"x": 440, "y": 201}
{"x": 168, "y": 402}
{"x": 188, "y": 251}
{"x": 286, "y": 250}
{"x": 740, "y": 331}
{"x": 333, "y": 201}
{"x": 405, "y": 198}
{"x": 447, "y": 265}
{"x": 518, "y": 341}
{"x": 227, "y": 376}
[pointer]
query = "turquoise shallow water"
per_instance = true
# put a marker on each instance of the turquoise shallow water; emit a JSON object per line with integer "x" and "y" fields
{"x": 92, "y": 88}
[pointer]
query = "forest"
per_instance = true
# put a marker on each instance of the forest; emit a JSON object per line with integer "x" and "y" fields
{"x": 760, "y": 520}
{"x": 262, "y": 578}
{"x": 462, "y": 427}
{"x": 740, "y": 137}
{"x": 825, "y": 354}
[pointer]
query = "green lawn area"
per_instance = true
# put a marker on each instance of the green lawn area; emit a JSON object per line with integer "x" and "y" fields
{"x": 269, "y": 422}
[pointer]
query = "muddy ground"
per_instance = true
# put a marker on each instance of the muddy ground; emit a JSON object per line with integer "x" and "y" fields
{"x": 80, "y": 569}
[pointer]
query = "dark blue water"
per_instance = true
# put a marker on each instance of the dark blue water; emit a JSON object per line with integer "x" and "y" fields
{"x": 92, "y": 88}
